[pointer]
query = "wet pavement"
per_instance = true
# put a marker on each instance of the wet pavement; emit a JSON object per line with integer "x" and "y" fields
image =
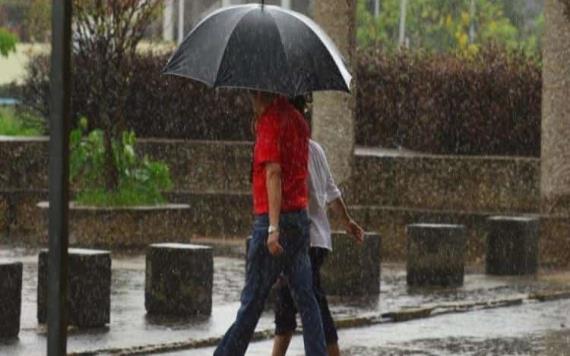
{"x": 529, "y": 329}
{"x": 527, "y": 326}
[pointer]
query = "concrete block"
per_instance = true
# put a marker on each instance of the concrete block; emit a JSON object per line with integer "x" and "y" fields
{"x": 352, "y": 269}
{"x": 10, "y": 298}
{"x": 89, "y": 287}
{"x": 436, "y": 255}
{"x": 179, "y": 279}
{"x": 512, "y": 245}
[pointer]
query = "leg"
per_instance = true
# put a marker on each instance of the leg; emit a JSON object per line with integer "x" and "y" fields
{"x": 318, "y": 256}
{"x": 333, "y": 350}
{"x": 281, "y": 343}
{"x": 298, "y": 269}
{"x": 285, "y": 323}
{"x": 262, "y": 271}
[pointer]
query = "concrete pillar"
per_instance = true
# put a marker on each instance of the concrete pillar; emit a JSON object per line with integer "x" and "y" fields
{"x": 333, "y": 113}
{"x": 286, "y": 4}
{"x": 555, "y": 155}
{"x": 168, "y": 21}
{"x": 352, "y": 269}
{"x": 436, "y": 255}
{"x": 512, "y": 245}
{"x": 10, "y": 299}
{"x": 181, "y": 18}
{"x": 88, "y": 288}
{"x": 226, "y": 3}
{"x": 179, "y": 279}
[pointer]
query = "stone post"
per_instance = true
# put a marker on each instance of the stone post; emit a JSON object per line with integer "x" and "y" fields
{"x": 179, "y": 279}
{"x": 436, "y": 255}
{"x": 333, "y": 113}
{"x": 555, "y": 155}
{"x": 10, "y": 299}
{"x": 512, "y": 245}
{"x": 352, "y": 269}
{"x": 88, "y": 287}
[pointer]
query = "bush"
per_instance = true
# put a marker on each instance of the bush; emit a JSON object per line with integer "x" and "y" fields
{"x": 436, "y": 103}
{"x": 488, "y": 104}
{"x": 156, "y": 105}
{"x": 8, "y": 42}
{"x": 18, "y": 122}
{"x": 141, "y": 181}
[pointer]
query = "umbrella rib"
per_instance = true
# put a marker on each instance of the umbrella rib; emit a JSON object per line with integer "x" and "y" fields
{"x": 329, "y": 44}
{"x": 281, "y": 41}
{"x": 227, "y": 40}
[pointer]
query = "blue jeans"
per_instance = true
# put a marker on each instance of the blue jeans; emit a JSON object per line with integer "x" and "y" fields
{"x": 263, "y": 270}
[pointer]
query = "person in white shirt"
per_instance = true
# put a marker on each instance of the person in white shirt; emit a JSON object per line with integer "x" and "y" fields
{"x": 323, "y": 194}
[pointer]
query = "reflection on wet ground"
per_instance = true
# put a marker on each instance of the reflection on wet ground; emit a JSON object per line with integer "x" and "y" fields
{"x": 131, "y": 327}
{"x": 529, "y": 329}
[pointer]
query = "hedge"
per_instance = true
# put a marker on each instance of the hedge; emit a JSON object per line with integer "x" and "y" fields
{"x": 437, "y": 103}
{"x": 157, "y": 105}
{"x": 450, "y": 104}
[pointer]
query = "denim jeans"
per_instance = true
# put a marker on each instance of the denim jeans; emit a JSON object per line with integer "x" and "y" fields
{"x": 286, "y": 310}
{"x": 263, "y": 269}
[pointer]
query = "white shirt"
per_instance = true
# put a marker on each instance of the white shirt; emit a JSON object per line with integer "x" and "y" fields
{"x": 322, "y": 190}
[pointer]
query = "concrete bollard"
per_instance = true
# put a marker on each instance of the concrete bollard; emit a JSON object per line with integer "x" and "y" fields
{"x": 88, "y": 287}
{"x": 10, "y": 298}
{"x": 179, "y": 279}
{"x": 436, "y": 255}
{"x": 512, "y": 245}
{"x": 352, "y": 269}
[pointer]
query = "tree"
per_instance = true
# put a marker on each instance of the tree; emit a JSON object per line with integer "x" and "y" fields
{"x": 8, "y": 42}
{"x": 106, "y": 35}
{"x": 38, "y": 20}
{"x": 439, "y": 25}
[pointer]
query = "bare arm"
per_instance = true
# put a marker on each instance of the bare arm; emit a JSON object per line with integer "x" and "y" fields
{"x": 341, "y": 211}
{"x": 273, "y": 183}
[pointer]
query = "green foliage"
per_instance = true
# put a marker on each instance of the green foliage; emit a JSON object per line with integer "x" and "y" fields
{"x": 8, "y": 42}
{"x": 446, "y": 103}
{"x": 444, "y": 26}
{"x": 107, "y": 34}
{"x": 38, "y": 20}
{"x": 141, "y": 180}
{"x": 19, "y": 123}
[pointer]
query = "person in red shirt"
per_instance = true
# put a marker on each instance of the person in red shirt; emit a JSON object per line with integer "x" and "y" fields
{"x": 280, "y": 236}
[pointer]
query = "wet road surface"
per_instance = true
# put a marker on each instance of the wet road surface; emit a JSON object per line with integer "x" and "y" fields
{"x": 131, "y": 327}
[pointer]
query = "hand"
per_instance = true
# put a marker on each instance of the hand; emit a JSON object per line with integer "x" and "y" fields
{"x": 273, "y": 245}
{"x": 354, "y": 230}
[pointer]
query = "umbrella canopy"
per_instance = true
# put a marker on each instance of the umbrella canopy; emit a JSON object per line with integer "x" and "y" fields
{"x": 260, "y": 47}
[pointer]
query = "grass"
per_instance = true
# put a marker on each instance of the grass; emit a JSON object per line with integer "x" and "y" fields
{"x": 15, "y": 123}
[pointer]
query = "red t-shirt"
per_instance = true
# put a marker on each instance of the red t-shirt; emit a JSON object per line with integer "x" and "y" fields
{"x": 282, "y": 136}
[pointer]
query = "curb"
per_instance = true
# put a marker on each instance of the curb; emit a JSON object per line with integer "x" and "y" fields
{"x": 403, "y": 315}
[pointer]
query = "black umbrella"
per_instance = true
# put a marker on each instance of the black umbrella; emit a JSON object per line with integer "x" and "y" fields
{"x": 260, "y": 47}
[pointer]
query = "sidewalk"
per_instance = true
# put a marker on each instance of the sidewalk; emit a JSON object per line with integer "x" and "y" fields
{"x": 131, "y": 328}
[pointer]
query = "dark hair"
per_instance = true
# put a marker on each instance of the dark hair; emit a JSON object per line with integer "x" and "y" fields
{"x": 300, "y": 103}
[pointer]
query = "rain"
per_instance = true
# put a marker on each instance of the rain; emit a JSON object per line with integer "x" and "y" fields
{"x": 156, "y": 167}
